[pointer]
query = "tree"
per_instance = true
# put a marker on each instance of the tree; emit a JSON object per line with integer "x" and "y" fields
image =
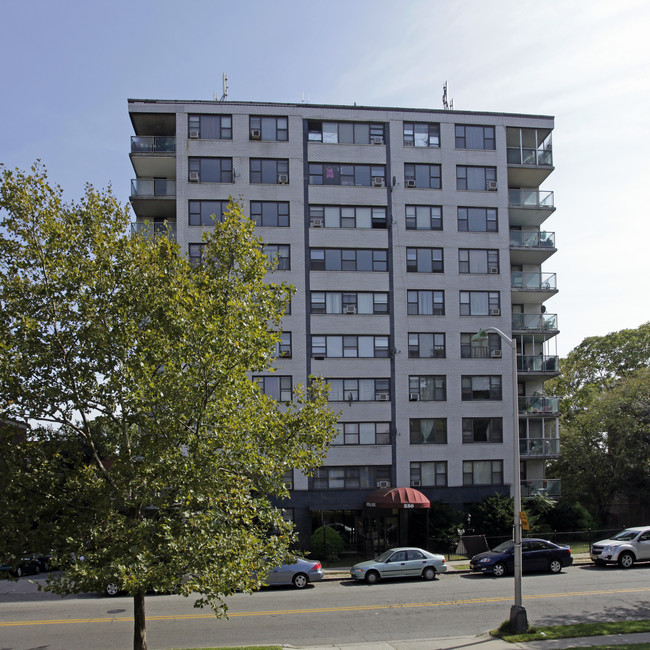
{"x": 153, "y": 453}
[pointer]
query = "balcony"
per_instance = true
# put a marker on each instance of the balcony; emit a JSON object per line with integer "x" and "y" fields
{"x": 539, "y": 448}
{"x": 539, "y": 405}
{"x": 154, "y": 228}
{"x": 154, "y": 197}
{"x": 535, "y": 324}
{"x": 530, "y": 207}
{"x": 153, "y": 155}
{"x": 530, "y": 156}
{"x": 533, "y": 286}
{"x": 531, "y": 246}
{"x": 543, "y": 365}
{"x": 551, "y": 487}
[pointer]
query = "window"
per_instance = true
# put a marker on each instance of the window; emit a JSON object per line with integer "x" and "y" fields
{"x": 345, "y": 132}
{"x": 480, "y": 303}
{"x": 339, "y": 216}
{"x": 428, "y": 388}
{"x": 210, "y": 127}
{"x": 348, "y": 302}
{"x": 349, "y": 175}
{"x": 283, "y": 346}
{"x": 479, "y": 349}
{"x": 201, "y": 213}
{"x": 334, "y": 346}
{"x": 432, "y": 473}
{"x": 478, "y": 260}
{"x": 480, "y": 387}
{"x": 278, "y": 387}
{"x": 350, "y": 477}
{"x": 421, "y": 134}
{"x": 475, "y": 137}
{"x": 211, "y": 170}
{"x": 348, "y": 259}
{"x": 280, "y": 254}
{"x": 482, "y": 430}
{"x": 425, "y": 345}
{"x": 477, "y": 220}
{"x": 426, "y": 176}
{"x": 363, "y": 433}
{"x": 270, "y": 213}
{"x": 424, "y": 260}
{"x": 195, "y": 253}
{"x": 269, "y": 170}
{"x": 428, "y": 431}
{"x": 482, "y": 472}
{"x": 423, "y": 217}
{"x": 426, "y": 303}
{"x": 359, "y": 390}
{"x": 269, "y": 128}
{"x": 475, "y": 178}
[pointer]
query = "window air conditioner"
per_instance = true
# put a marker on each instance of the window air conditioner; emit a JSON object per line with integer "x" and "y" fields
{"x": 492, "y": 185}
{"x": 409, "y": 143}
{"x": 410, "y": 182}
{"x": 382, "y": 397}
{"x": 194, "y": 177}
{"x": 495, "y": 312}
{"x": 316, "y": 223}
{"x": 194, "y": 134}
{"x": 415, "y": 483}
{"x": 283, "y": 179}
{"x": 493, "y": 269}
{"x": 377, "y": 139}
{"x": 414, "y": 397}
{"x": 496, "y": 354}
{"x": 349, "y": 309}
{"x": 256, "y": 134}
{"x": 383, "y": 484}
{"x": 378, "y": 181}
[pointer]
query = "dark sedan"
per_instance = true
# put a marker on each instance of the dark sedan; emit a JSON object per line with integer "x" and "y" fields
{"x": 536, "y": 554}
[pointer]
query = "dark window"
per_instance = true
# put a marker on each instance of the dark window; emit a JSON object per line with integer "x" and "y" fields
{"x": 269, "y": 128}
{"x": 478, "y": 220}
{"x": 359, "y": 390}
{"x": 345, "y": 132}
{"x": 210, "y": 127}
{"x": 423, "y": 217}
{"x": 482, "y": 430}
{"x": 480, "y": 303}
{"x": 201, "y": 213}
{"x": 470, "y": 349}
{"x": 211, "y": 170}
{"x": 195, "y": 253}
{"x": 269, "y": 170}
{"x": 478, "y": 260}
{"x": 348, "y": 302}
{"x": 475, "y": 178}
{"x": 483, "y": 472}
{"x": 270, "y": 213}
{"x": 277, "y": 387}
{"x": 283, "y": 346}
{"x": 281, "y": 254}
{"x": 348, "y": 259}
{"x": 363, "y": 433}
{"x": 421, "y": 134}
{"x": 425, "y": 176}
{"x": 337, "y": 346}
{"x": 349, "y": 175}
{"x": 426, "y": 302}
{"x": 425, "y": 345}
{"x": 339, "y": 216}
{"x": 424, "y": 260}
{"x": 349, "y": 477}
{"x": 475, "y": 137}
{"x": 428, "y": 431}
{"x": 432, "y": 473}
{"x": 428, "y": 388}
{"x": 480, "y": 387}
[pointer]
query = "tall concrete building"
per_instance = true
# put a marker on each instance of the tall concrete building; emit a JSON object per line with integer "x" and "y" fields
{"x": 405, "y": 232}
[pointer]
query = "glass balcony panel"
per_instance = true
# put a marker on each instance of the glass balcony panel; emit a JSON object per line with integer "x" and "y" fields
{"x": 534, "y": 280}
{"x": 153, "y": 187}
{"x": 539, "y": 447}
{"x": 530, "y": 198}
{"x": 532, "y": 239}
{"x": 154, "y": 229}
{"x": 551, "y": 487}
{"x": 549, "y": 321}
{"x": 534, "y": 322}
{"x": 537, "y": 363}
{"x": 153, "y": 144}
{"x": 537, "y": 404}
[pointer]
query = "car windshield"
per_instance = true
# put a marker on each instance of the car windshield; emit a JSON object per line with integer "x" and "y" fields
{"x": 626, "y": 535}
{"x": 504, "y": 547}
{"x": 384, "y": 556}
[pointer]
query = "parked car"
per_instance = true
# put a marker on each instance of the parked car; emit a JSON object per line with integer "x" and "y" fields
{"x": 402, "y": 562}
{"x": 299, "y": 573}
{"x": 536, "y": 555}
{"x": 30, "y": 563}
{"x": 627, "y": 547}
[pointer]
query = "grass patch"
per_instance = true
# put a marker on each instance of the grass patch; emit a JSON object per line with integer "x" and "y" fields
{"x": 571, "y": 631}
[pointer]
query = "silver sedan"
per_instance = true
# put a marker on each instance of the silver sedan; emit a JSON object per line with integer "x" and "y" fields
{"x": 402, "y": 562}
{"x": 299, "y": 573}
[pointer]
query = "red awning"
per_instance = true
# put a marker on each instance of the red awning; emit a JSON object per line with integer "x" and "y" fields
{"x": 404, "y": 497}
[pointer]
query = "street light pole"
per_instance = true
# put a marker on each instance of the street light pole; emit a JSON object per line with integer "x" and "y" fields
{"x": 518, "y": 619}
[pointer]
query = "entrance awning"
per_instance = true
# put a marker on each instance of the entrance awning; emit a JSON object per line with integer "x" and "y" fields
{"x": 403, "y": 498}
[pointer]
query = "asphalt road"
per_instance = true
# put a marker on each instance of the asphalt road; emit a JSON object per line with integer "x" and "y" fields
{"x": 329, "y": 612}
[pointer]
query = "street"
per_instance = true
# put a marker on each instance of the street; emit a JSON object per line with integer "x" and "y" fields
{"x": 331, "y": 611}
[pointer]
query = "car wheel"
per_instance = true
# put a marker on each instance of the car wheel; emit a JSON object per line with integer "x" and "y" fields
{"x": 112, "y": 589}
{"x": 499, "y": 569}
{"x": 429, "y": 573}
{"x": 18, "y": 572}
{"x": 625, "y": 560}
{"x": 372, "y": 577}
{"x": 555, "y": 566}
{"x": 300, "y": 581}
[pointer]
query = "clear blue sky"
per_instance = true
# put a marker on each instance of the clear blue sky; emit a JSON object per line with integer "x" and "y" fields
{"x": 70, "y": 65}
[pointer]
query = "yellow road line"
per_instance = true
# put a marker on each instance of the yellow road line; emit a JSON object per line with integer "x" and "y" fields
{"x": 323, "y": 610}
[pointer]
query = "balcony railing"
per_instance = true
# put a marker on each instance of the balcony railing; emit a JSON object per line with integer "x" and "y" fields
{"x": 154, "y": 229}
{"x": 534, "y": 281}
{"x": 534, "y": 322}
{"x": 538, "y": 405}
{"x": 532, "y": 239}
{"x": 153, "y": 187}
{"x": 530, "y": 198}
{"x": 551, "y": 487}
{"x": 153, "y": 144}
{"x": 537, "y": 363}
{"x": 539, "y": 447}
{"x": 527, "y": 156}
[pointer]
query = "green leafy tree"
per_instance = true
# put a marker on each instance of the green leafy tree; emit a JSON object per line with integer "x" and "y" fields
{"x": 326, "y": 543}
{"x": 493, "y": 516}
{"x": 152, "y": 455}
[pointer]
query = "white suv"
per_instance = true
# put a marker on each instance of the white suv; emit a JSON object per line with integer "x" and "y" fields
{"x": 627, "y": 547}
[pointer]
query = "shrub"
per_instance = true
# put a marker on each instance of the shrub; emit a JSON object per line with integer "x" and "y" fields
{"x": 326, "y": 543}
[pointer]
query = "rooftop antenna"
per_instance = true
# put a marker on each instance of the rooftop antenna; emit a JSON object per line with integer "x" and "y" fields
{"x": 446, "y": 104}
{"x": 224, "y": 97}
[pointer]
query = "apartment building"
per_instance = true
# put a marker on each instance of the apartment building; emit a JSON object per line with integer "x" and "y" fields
{"x": 405, "y": 232}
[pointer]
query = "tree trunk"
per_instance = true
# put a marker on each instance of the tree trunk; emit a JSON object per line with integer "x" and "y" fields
{"x": 139, "y": 626}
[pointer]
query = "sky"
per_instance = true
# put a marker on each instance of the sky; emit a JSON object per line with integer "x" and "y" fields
{"x": 69, "y": 67}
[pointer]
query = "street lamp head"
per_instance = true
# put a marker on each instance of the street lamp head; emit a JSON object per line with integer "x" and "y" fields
{"x": 480, "y": 336}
